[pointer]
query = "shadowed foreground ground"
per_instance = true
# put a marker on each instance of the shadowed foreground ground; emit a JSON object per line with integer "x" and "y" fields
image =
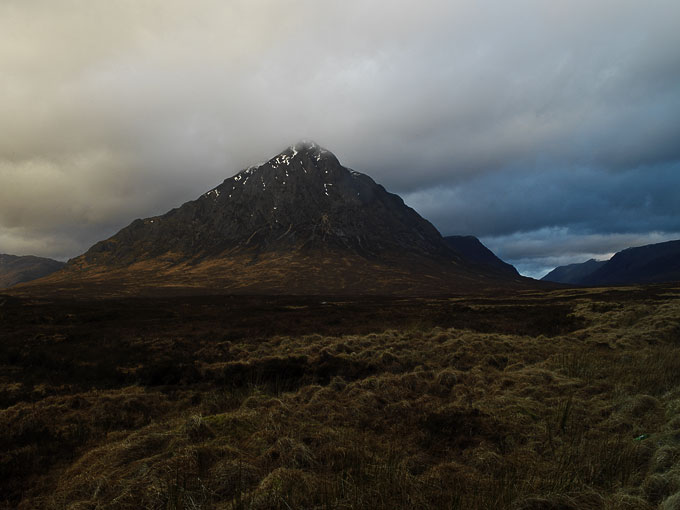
{"x": 563, "y": 399}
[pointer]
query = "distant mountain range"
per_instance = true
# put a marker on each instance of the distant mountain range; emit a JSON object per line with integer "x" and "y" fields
{"x": 298, "y": 223}
{"x": 18, "y": 269}
{"x": 574, "y": 273}
{"x": 653, "y": 263}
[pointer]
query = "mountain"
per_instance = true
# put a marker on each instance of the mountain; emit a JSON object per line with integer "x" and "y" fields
{"x": 573, "y": 273}
{"x": 653, "y": 263}
{"x": 474, "y": 252}
{"x": 302, "y": 198}
{"x": 18, "y": 269}
{"x": 298, "y": 223}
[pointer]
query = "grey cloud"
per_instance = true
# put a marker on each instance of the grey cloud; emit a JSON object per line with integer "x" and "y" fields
{"x": 114, "y": 110}
{"x": 538, "y": 219}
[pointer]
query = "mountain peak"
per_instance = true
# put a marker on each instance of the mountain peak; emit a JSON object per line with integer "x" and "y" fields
{"x": 302, "y": 198}
{"x": 307, "y": 151}
{"x": 305, "y": 154}
{"x": 307, "y": 145}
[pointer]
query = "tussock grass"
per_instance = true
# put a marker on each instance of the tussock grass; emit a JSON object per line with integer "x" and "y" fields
{"x": 427, "y": 416}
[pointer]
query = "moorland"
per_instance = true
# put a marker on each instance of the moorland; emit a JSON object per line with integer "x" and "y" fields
{"x": 525, "y": 399}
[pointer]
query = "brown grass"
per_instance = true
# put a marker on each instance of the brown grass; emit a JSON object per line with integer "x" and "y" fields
{"x": 415, "y": 412}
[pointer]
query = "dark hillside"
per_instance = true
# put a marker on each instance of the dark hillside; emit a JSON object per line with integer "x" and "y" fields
{"x": 474, "y": 252}
{"x": 18, "y": 269}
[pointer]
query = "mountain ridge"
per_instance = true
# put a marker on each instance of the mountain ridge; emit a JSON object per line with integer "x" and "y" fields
{"x": 573, "y": 273}
{"x": 651, "y": 263}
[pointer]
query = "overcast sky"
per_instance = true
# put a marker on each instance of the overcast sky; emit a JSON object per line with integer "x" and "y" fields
{"x": 551, "y": 130}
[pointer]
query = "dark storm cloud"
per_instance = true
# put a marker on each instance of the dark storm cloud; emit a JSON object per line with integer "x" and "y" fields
{"x": 514, "y": 117}
{"x": 537, "y": 219}
{"x": 583, "y": 200}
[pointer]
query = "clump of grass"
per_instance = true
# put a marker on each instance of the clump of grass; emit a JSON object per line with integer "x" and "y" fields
{"x": 671, "y": 503}
{"x": 576, "y": 365}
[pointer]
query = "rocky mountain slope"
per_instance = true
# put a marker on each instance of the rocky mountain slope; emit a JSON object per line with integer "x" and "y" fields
{"x": 18, "y": 269}
{"x": 298, "y": 223}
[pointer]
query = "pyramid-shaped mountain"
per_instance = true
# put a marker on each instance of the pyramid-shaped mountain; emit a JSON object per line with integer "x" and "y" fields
{"x": 301, "y": 199}
{"x": 299, "y": 223}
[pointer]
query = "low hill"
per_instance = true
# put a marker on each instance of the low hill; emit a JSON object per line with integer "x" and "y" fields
{"x": 18, "y": 269}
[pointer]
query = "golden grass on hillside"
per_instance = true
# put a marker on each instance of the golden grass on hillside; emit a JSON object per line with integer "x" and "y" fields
{"x": 242, "y": 271}
{"x": 416, "y": 417}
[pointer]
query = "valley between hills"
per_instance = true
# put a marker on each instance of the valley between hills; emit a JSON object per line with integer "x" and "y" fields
{"x": 299, "y": 338}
